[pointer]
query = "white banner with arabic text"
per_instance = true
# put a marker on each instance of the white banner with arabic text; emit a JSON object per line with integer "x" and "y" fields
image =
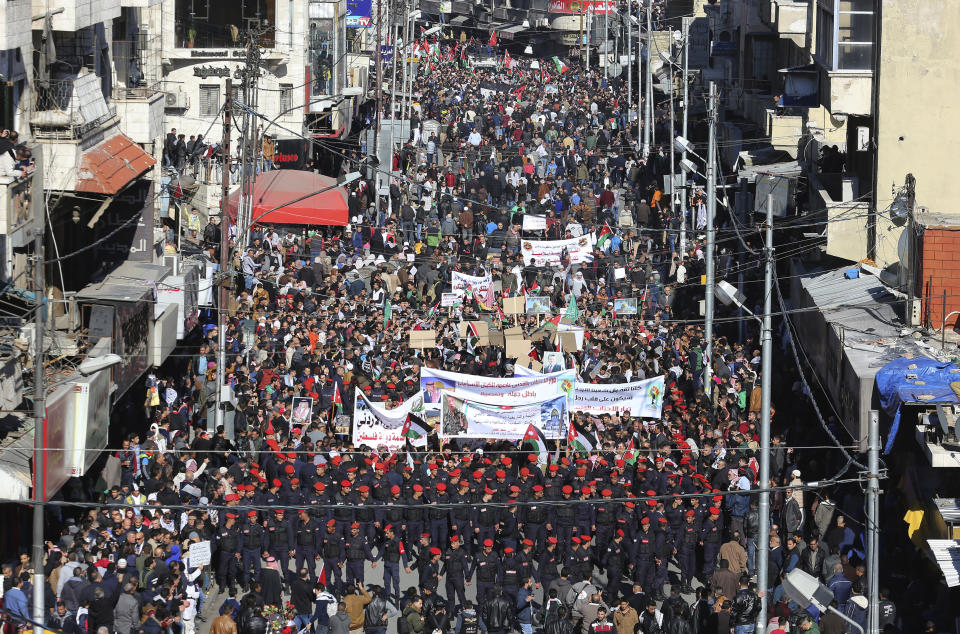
{"x": 549, "y": 252}
{"x": 465, "y": 417}
{"x": 639, "y": 398}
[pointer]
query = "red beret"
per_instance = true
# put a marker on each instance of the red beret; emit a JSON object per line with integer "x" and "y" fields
{"x": 645, "y": 520}
{"x": 488, "y": 543}
{"x": 435, "y": 551}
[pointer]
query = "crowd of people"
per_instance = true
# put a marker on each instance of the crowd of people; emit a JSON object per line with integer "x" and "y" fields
{"x": 654, "y": 531}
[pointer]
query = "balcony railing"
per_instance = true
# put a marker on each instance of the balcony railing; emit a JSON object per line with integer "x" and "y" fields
{"x": 68, "y": 109}
{"x": 137, "y": 63}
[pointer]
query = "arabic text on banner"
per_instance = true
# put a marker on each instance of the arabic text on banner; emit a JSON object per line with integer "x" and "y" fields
{"x": 460, "y": 283}
{"x": 640, "y": 398}
{"x": 465, "y": 417}
{"x": 375, "y": 426}
{"x": 548, "y": 252}
{"x": 434, "y": 382}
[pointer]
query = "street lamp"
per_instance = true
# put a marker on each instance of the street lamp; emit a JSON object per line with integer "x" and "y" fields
{"x": 806, "y": 590}
{"x": 88, "y": 366}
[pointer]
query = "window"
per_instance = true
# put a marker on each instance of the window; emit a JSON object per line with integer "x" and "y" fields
{"x": 286, "y": 97}
{"x": 325, "y": 48}
{"x": 223, "y": 23}
{"x": 845, "y": 34}
{"x": 209, "y": 100}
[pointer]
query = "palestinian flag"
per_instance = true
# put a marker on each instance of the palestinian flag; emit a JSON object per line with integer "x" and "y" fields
{"x": 337, "y": 400}
{"x": 416, "y": 430}
{"x": 550, "y": 324}
{"x": 560, "y": 66}
{"x": 435, "y": 49}
{"x": 581, "y": 440}
{"x": 508, "y": 61}
{"x": 473, "y": 337}
{"x": 493, "y": 39}
{"x": 604, "y": 237}
{"x": 630, "y": 455}
{"x": 387, "y": 312}
{"x": 322, "y": 577}
{"x": 573, "y": 312}
{"x": 538, "y": 441}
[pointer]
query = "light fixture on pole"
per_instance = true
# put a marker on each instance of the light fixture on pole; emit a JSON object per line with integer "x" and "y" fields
{"x": 806, "y": 590}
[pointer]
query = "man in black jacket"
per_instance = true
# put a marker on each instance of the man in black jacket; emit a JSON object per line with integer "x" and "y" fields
{"x": 302, "y": 597}
{"x": 498, "y": 613}
{"x": 746, "y": 606}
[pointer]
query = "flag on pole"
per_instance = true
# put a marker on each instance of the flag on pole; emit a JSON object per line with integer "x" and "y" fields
{"x": 322, "y": 577}
{"x": 387, "y": 312}
{"x": 630, "y": 455}
{"x": 493, "y": 39}
{"x": 536, "y": 438}
{"x": 473, "y": 337}
{"x": 490, "y": 300}
{"x": 508, "y": 61}
{"x": 416, "y": 430}
{"x": 604, "y": 237}
{"x": 582, "y": 440}
{"x": 573, "y": 312}
{"x": 550, "y": 324}
{"x": 560, "y": 66}
{"x": 337, "y": 400}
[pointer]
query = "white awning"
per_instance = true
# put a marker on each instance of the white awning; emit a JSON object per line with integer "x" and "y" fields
{"x": 946, "y": 552}
{"x": 16, "y": 479}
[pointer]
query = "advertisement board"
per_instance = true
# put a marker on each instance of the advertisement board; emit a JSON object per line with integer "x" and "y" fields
{"x": 87, "y": 436}
{"x": 359, "y": 14}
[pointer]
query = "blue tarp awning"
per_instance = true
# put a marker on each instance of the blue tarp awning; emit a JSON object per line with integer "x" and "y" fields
{"x": 914, "y": 381}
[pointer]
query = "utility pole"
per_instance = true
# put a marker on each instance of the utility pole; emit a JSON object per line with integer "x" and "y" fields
{"x": 910, "y": 187}
{"x": 223, "y": 298}
{"x": 589, "y": 28}
{"x": 766, "y": 365}
{"x": 683, "y": 155}
{"x": 606, "y": 40}
{"x": 873, "y": 516}
{"x": 641, "y": 127}
{"x": 711, "y": 238}
{"x": 379, "y": 117}
{"x": 393, "y": 92}
{"x": 629, "y": 65}
{"x": 648, "y": 107}
{"x": 39, "y": 423}
{"x": 673, "y": 163}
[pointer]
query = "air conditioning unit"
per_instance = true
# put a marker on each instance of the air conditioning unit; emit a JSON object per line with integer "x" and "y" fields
{"x": 173, "y": 261}
{"x": 177, "y": 101}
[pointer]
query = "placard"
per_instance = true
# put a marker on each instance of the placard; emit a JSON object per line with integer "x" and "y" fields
{"x": 199, "y": 554}
{"x": 514, "y": 305}
{"x": 625, "y": 306}
{"x": 518, "y": 347}
{"x": 553, "y": 361}
{"x": 460, "y": 283}
{"x": 568, "y": 341}
{"x": 483, "y": 331}
{"x": 421, "y": 339}
{"x": 375, "y": 426}
{"x": 448, "y": 300}
{"x": 640, "y": 398}
{"x": 301, "y": 410}
{"x": 537, "y": 305}
{"x": 550, "y": 252}
{"x": 532, "y": 222}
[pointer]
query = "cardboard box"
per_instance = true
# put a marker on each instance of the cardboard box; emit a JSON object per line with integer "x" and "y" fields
{"x": 514, "y": 305}
{"x": 483, "y": 331}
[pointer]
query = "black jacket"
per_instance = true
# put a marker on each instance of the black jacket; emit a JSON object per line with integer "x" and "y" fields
{"x": 374, "y": 612}
{"x": 498, "y": 614}
{"x": 745, "y": 608}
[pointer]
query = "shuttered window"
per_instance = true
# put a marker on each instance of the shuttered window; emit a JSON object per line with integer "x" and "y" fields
{"x": 209, "y": 101}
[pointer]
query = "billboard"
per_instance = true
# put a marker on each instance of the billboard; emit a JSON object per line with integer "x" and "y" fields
{"x": 576, "y": 7}
{"x": 358, "y": 14}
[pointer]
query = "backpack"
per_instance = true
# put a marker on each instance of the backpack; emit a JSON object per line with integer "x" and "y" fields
{"x": 470, "y": 623}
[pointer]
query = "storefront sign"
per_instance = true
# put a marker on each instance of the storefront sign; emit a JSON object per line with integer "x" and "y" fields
{"x": 358, "y": 13}
{"x": 290, "y": 154}
{"x": 203, "y": 72}
{"x": 576, "y": 7}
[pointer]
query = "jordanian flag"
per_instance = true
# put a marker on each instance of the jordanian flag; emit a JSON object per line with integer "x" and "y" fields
{"x": 538, "y": 441}
{"x": 580, "y": 439}
{"x": 337, "y": 400}
{"x": 604, "y": 238}
{"x": 416, "y": 430}
{"x": 560, "y": 66}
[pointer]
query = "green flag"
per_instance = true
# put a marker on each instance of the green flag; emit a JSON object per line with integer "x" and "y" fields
{"x": 573, "y": 313}
{"x": 387, "y": 312}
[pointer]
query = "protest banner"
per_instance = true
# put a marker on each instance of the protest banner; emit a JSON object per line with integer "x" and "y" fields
{"x": 463, "y": 416}
{"x": 639, "y": 398}
{"x": 532, "y": 222}
{"x": 448, "y": 300}
{"x": 460, "y": 283}
{"x": 548, "y": 252}
{"x": 434, "y": 383}
{"x": 375, "y": 426}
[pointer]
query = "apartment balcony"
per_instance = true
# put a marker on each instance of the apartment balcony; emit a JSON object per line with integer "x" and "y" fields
{"x": 847, "y": 92}
{"x": 138, "y": 94}
{"x": 78, "y": 14}
{"x": 15, "y": 29}
{"x": 788, "y": 18}
{"x": 70, "y": 109}
{"x": 18, "y": 194}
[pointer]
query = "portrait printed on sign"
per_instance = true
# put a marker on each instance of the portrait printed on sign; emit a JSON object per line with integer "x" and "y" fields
{"x": 454, "y": 419}
{"x": 301, "y": 410}
{"x": 433, "y": 390}
{"x": 553, "y": 362}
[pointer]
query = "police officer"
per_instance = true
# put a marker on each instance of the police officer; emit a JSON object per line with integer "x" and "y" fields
{"x": 439, "y": 516}
{"x": 429, "y": 570}
{"x": 460, "y": 515}
{"x": 487, "y": 565}
{"x": 563, "y": 514}
{"x": 363, "y": 512}
{"x": 343, "y": 507}
{"x": 456, "y": 567}
{"x": 510, "y": 574}
{"x": 534, "y": 517}
{"x": 357, "y": 550}
{"x": 331, "y": 551}
{"x": 686, "y": 550}
{"x": 663, "y": 558}
{"x": 605, "y": 519}
{"x": 228, "y": 555}
{"x": 710, "y": 538}
{"x": 615, "y": 560}
{"x": 507, "y": 526}
{"x": 548, "y": 568}
{"x": 414, "y": 514}
{"x": 251, "y": 542}
{"x": 279, "y": 540}
{"x": 647, "y": 549}
{"x": 308, "y": 531}
{"x": 485, "y": 518}
{"x": 392, "y": 552}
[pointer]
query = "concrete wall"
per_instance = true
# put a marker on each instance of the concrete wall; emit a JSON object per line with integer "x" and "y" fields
{"x": 919, "y": 114}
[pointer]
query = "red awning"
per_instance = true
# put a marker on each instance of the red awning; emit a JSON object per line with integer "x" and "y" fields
{"x": 111, "y": 165}
{"x": 277, "y": 187}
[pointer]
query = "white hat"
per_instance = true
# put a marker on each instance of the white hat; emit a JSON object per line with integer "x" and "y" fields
{"x": 796, "y": 473}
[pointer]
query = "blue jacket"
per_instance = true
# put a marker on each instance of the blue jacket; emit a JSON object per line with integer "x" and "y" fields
{"x": 16, "y": 602}
{"x": 524, "y": 607}
{"x": 842, "y": 589}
